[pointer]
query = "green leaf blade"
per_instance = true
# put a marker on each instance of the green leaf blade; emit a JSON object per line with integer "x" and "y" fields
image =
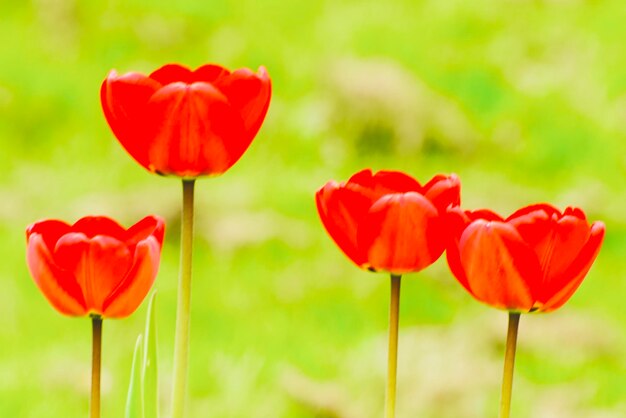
{"x": 134, "y": 400}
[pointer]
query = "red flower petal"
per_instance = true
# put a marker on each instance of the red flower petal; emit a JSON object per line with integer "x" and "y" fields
{"x": 383, "y": 182}
{"x": 98, "y": 264}
{"x": 91, "y": 226}
{"x": 401, "y": 233}
{"x": 501, "y": 269}
{"x": 132, "y": 290}
{"x": 456, "y": 220}
{"x": 341, "y": 210}
{"x": 556, "y": 240}
{"x": 210, "y": 73}
{"x": 172, "y": 73}
{"x": 484, "y": 214}
{"x": 57, "y": 285}
{"x": 49, "y": 230}
{"x": 193, "y": 131}
{"x": 148, "y": 226}
{"x": 247, "y": 92}
{"x": 123, "y": 101}
{"x": 443, "y": 191}
{"x": 539, "y": 207}
{"x": 562, "y": 287}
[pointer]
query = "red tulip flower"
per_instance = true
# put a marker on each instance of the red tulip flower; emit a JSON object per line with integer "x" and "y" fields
{"x": 186, "y": 123}
{"x": 388, "y": 221}
{"x": 534, "y": 260}
{"x": 95, "y": 266}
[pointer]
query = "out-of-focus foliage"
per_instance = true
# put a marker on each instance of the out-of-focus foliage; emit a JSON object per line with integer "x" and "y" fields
{"x": 525, "y": 100}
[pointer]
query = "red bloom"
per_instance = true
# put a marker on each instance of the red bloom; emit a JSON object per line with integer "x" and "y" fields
{"x": 94, "y": 266}
{"x": 186, "y": 123}
{"x": 532, "y": 261}
{"x": 388, "y": 221}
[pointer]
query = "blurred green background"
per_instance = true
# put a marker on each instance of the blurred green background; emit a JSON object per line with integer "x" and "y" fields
{"x": 524, "y": 100}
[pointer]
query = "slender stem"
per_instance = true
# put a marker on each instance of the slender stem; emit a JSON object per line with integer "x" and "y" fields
{"x": 183, "y": 311}
{"x": 96, "y": 356}
{"x": 509, "y": 363}
{"x": 392, "y": 351}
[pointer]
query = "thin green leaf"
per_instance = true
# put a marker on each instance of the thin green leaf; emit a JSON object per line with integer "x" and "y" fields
{"x": 134, "y": 401}
{"x": 150, "y": 375}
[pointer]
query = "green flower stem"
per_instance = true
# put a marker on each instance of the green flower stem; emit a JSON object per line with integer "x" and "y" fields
{"x": 183, "y": 311}
{"x": 392, "y": 353}
{"x": 96, "y": 326}
{"x": 509, "y": 363}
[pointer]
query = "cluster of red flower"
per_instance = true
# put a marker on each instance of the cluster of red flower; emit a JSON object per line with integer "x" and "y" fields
{"x": 199, "y": 123}
{"x": 533, "y": 260}
{"x": 173, "y": 122}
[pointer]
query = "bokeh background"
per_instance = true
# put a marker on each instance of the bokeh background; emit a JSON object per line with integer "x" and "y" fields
{"x": 524, "y": 100}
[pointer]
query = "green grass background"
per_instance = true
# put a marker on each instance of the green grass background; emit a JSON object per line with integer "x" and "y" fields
{"x": 524, "y": 100}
